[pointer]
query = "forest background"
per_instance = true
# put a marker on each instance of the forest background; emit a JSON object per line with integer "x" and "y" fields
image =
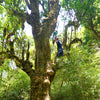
{"x": 74, "y": 76}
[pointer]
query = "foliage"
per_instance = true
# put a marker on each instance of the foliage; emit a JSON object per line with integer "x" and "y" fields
{"x": 78, "y": 78}
{"x": 86, "y": 12}
{"x": 14, "y": 83}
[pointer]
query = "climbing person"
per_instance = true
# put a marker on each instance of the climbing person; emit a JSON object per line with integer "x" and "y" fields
{"x": 59, "y": 47}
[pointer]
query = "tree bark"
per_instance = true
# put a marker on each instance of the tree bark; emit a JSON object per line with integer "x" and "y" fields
{"x": 40, "y": 82}
{"x": 40, "y": 87}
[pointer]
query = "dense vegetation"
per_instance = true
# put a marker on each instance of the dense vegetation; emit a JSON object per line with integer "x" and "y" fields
{"x": 74, "y": 76}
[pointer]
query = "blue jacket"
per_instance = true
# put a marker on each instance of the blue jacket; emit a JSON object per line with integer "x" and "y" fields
{"x": 59, "y": 46}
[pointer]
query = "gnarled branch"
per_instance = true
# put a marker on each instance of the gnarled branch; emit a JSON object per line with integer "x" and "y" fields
{"x": 27, "y": 65}
{"x": 49, "y": 23}
{"x": 74, "y": 41}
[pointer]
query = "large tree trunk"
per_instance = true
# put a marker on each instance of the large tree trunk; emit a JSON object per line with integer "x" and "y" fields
{"x": 40, "y": 82}
{"x": 40, "y": 87}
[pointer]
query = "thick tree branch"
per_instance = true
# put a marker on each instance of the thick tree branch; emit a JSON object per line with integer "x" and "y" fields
{"x": 8, "y": 55}
{"x": 74, "y": 41}
{"x": 27, "y": 65}
{"x": 34, "y": 17}
{"x": 49, "y": 23}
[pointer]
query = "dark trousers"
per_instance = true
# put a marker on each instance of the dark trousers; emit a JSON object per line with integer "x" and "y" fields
{"x": 60, "y": 53}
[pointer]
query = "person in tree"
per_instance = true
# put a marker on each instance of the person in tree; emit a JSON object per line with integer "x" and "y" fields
{"x": 59, "y": 47}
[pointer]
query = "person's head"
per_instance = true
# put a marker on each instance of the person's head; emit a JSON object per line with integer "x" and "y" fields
{"x": 56, "y": 39}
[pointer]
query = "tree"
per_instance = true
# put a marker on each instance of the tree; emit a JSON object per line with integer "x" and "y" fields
{"x": 86, "y": 12}
{"x": 41, "y": 76}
